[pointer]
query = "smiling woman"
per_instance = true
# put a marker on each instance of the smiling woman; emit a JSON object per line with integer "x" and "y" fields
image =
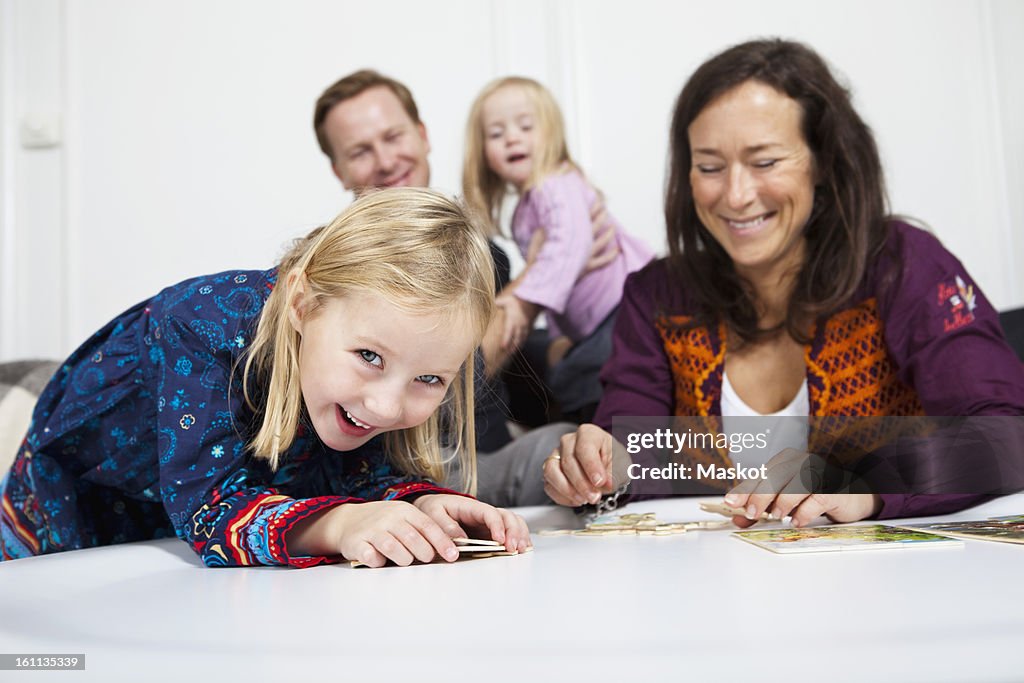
{"x": 753, "y": 180}
{"x": 789, "y": 291}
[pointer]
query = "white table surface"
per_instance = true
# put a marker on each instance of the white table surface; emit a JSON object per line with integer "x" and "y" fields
{"x": 699, "y": 606}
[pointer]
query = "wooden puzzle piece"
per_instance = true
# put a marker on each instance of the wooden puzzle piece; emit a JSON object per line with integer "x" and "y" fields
{"x": 469, "y": 548}
{"x": 464, "y": 542}
{"x": 493, "y": 553}
{"x": 643, "y": 524}
{"x": 714, "y": 524}
{"x": 648, "y": 524}
{"x": 729, "y": 511}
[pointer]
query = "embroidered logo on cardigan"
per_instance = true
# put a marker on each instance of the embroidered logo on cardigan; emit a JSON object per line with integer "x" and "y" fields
{"x": 960, "y": 300}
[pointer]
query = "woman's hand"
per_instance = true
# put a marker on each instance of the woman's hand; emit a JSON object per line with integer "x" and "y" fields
{"x": 460, "y": 516}
{"x": 784, "y": 494}
{"x": 587, "y": 464}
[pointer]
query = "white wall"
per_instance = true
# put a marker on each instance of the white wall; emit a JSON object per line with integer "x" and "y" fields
{"x": 185, "y": 143}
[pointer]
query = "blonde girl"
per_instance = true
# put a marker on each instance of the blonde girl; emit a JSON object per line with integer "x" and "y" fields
{"x": 515, "y": 141}
{"x": 289, "y": 416}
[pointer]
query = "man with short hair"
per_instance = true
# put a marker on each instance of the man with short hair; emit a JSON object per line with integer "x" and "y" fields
{"x": 369, "y": 127}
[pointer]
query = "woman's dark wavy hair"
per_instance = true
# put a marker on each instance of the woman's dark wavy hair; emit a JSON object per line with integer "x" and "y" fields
{"x": 847, "y": 227}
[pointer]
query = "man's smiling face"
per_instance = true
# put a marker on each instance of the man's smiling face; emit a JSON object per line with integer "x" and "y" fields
{"x": 376, "y": 144}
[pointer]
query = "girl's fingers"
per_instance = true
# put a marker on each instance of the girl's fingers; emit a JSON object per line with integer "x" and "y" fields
{"x": 504, "y": 526}
{"x": 511, "y": 531}
{"x": 492, "y": 519}
{"x": 390, "y": 547}
{"x": 473, "y": 513}
{"x": 435, "y": 535}
{"x": 415, "y": 541}
{"x": 439, "y": 514}
{"x": 368, "y": 555}
{"x": 517, "y": 534}
{"x": 524, "y": 531}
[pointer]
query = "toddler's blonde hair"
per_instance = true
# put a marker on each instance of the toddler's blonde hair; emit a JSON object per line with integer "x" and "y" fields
{"x": 482, "y": 188}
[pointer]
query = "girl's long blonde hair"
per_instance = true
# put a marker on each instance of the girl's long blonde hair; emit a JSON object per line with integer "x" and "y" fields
{"x": 482, "y": 188}
{"x": 419, "y": 250}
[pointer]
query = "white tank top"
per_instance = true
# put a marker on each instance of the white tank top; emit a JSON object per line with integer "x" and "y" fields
{"x": 784, "y": 430}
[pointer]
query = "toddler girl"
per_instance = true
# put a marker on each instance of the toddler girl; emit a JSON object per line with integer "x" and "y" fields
{"x": 515, "y": 138}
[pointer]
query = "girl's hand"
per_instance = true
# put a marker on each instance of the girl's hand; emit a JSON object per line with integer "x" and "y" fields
{"x": 460, "y": 516}
{"x": 519, "y": 317}
{"x": 587, "y": 464}
{"x": 784, "y": 495}
{"x": 376, "y": 532}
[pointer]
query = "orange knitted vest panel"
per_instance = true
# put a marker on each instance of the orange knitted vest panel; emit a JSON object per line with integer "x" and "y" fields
{"x": 849, "y": 371}
{"x": 849, "y": 374}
